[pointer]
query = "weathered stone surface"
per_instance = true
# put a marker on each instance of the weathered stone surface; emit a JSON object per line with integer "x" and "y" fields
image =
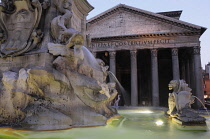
{"x": 12, "y": 101}
{"x": 47, "y": 119}
{"x": 124, "y": 22}
{"x": 9, "y": 79}
{"x": 22, "y": 79}
{"x": 16, "y": 63}
{"x": 58, "y": 49}
{"x": 70, "y": 100}
{"x": 87, "y": 79}
{"x": 20, "y": 25}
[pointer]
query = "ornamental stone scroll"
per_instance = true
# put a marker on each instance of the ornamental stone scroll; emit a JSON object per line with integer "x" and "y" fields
{"x": 19, "y": 22}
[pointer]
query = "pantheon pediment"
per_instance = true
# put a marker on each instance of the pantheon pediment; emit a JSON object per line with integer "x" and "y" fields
{"x": 124, "y": 20}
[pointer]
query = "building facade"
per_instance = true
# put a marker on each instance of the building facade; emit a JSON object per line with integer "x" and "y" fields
{"x": 206, "y": 79}
{"x": 147, "y": 50}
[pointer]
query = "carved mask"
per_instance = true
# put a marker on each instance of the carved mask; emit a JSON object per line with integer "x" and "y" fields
{"x": 18, "y": 27}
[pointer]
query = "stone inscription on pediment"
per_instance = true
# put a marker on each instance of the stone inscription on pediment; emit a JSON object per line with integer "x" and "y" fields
{"x": 138, "y": 43}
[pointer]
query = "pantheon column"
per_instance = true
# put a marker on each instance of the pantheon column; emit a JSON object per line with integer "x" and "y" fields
{"x": 112, "y": 63}
{"x": 175, "y": 63}
{"x": 192, "y": 71}
{"x": 155, "y": 79}
{"x": 198, "y": 75}
{"x": 134, "y": 78}
{"x": 187, "y": 66}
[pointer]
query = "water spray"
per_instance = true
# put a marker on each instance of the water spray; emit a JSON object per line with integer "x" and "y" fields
{"x": 125, "y": 95}
{"x": 202, "y": 104}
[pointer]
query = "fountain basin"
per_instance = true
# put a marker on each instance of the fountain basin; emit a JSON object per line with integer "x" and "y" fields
{"x": 135, "y": 123}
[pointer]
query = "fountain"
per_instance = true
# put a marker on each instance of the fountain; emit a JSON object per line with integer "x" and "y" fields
{"x": 49, "y": 80}
{"x": 179, "y": 103}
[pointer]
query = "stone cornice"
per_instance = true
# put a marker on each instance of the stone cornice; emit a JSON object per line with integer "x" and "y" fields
{"x": 83, "y": 6}
{"x": 159, "y": 17}
{"x": 137, "y": 36}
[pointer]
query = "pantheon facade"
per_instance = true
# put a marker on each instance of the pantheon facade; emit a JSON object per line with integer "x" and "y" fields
{"x": 147, "y": 50}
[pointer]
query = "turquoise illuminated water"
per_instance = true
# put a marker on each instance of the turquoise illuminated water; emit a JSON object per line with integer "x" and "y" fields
{"x": 135, "y": 124}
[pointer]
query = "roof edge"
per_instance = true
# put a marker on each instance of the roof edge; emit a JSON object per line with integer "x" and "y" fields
{"x": 173, "y": 14}
{"x": 101, "y": 14}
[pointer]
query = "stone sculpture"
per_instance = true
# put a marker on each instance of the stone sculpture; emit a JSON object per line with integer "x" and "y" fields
{"x": 59, "y": 25}
{"x": 179, "y": 103}
{"x": 19, "y": 26}
{"x": 67, "y": 87}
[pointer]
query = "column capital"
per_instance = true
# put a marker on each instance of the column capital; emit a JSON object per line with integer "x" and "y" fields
{"x": 174, "y": 51}
{"x": 133, "y": 53}
{"x": 94, "y": 53}
{"x": 112, "y": 54}
{"x": 154, "y": 52}
{"x": 196, "y": 50}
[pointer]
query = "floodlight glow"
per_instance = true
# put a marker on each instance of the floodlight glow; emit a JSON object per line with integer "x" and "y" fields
{"x": 159, "y": 123}
{"x": 147, "y": 111}
{"x": 205, "y": 96}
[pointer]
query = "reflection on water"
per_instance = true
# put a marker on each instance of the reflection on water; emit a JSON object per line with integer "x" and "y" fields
{"x": 133, "y": 125}
{"x": 208, "y": 123}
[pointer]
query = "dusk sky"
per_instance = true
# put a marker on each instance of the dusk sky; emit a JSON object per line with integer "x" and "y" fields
{"x": 193, "y": 11}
